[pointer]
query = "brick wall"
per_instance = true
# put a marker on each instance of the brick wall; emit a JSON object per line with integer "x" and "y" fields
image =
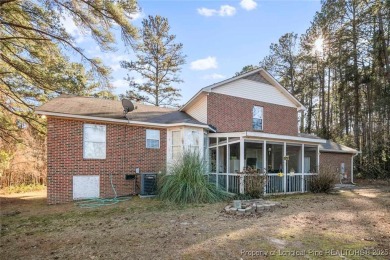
{"x": 334, "y": 161}
{"x": 233, "y": 114}
{"x": 125, "y": 150}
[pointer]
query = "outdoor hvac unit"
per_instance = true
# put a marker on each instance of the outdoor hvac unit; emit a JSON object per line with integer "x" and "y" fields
{"x": 148, "y": 184}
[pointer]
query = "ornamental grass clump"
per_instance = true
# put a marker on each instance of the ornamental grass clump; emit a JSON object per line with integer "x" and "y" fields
{"x": 187, "y": 182}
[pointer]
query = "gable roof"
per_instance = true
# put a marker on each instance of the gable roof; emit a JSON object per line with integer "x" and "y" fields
{"x": 265, "y": 77}
{"x": 112, "y": 110}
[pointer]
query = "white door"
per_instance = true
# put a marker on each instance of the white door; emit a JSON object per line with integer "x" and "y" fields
{"x": 86, "y": 186}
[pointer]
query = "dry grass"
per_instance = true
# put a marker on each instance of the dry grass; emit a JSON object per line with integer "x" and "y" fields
{"x": 149, "y": 229}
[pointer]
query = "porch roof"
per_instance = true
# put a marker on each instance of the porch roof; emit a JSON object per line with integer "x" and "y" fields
{"x": 332, "y": 147}
{"x": 275, "y": 137}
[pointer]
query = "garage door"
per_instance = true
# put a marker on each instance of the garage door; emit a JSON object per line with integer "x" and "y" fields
{"x": 86, "y": 186}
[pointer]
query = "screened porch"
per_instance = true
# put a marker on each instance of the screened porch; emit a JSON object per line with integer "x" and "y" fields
{"x": 287, "y": 164}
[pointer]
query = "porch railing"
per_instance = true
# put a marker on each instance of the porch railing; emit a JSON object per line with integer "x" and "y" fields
{"x": 274, "y": 184}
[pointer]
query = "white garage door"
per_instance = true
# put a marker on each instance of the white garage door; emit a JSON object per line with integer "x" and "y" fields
{"x": 86, "y": 186}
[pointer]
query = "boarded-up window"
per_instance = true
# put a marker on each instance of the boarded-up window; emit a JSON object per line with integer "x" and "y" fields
{"x": 85, "y": 187}
{"x": 94, "y": 144}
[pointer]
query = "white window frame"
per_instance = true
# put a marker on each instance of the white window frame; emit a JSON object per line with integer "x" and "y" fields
{"x": 260, "y": 118}
{"x": 150, "y": 138}
{"x": 180, "y": 145}
{"x": 85, "y": 126}
{"x": 195, "y": 145}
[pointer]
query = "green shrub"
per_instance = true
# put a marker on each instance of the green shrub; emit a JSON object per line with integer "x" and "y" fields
{"x": 324, "y": 181}
{"x": 187, "y": 182}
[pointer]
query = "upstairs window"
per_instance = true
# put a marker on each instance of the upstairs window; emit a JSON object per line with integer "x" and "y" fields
{"x": 153, "y": 139}
{"x": 257, "y": 121}
{"x": 94, "y": 143}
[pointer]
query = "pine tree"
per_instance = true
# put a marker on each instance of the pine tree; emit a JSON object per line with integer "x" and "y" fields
{"x": 34, "y": 48}
{"x": 159, "y": 60}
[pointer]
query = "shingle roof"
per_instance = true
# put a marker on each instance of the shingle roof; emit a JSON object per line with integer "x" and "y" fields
{"x": 112, "y": 109}
{"x": 312, "y": 136}
{"x": 330, "y": 146}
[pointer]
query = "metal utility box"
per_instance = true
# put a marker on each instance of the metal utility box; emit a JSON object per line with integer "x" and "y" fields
{"x": 148, "y": 184}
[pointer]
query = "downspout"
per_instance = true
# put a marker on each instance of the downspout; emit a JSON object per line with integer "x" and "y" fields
{"x": 353, "y": 156}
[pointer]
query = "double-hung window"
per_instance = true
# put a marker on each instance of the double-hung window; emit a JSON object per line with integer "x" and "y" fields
{"x": 152, "y": 139}
{"x": 94, "y": 141}
{"x": 194, "y": 140}
{"x": 257, "y": 121}
{"x": 176, "y": 144}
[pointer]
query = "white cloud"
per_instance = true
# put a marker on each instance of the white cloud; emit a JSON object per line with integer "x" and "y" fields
{"x": 120, "y": 84}
{"x": 248, "y": 4}
{"x": 227, "y": 10}
{"x": 136, "y": 16}
{"x": 224, "y": 10}
{"x": 72, "y": 29}
{"x": 205, "y": 64}
{"x": 115, "y": 67}
{"x": 214, "y": 76}
{"x": 206, "y": 12}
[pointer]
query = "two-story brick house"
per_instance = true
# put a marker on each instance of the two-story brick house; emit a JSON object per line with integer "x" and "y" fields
{"x": 246, "y": 121}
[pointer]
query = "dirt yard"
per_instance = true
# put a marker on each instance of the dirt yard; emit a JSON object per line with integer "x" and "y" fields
{"x": 349, "y": 224}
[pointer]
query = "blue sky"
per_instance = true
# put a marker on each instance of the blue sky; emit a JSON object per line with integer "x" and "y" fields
{"x": 219, "y": 37}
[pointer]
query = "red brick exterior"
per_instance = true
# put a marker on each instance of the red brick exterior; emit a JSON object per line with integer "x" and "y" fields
{"x": 125, "y": 151}
{"x": 234, "y": 114}
{"x": 334, "y": 161}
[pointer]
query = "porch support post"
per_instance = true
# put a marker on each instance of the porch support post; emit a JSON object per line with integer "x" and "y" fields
{"x": 284, "y": 167}
{"x": 303, "y": 168}
{"x": 265, "y": 166}
{"x": 227, "y": 163}
{"x": 242, "y": 163}
{"x": 318, "y": 159}
{"x": 217, "y": 164}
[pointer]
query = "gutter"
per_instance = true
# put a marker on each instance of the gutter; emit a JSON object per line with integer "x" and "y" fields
{"x": 337, "y": 151}
{"x": 139, "y": 123}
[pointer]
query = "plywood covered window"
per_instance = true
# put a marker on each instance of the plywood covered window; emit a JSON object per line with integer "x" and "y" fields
{"x": 152, "y": 139}
{"x": 94, "y": 141}
{"x": 257, "y": 121}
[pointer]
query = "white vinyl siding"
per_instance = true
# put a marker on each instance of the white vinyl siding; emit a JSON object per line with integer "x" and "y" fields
{"x": 198, "y": 110}
{"x": 94, "y": 141}
{"x": 153, "y": 139}
{"x": 253, "y": 90}
{"x": 257, "y": 121}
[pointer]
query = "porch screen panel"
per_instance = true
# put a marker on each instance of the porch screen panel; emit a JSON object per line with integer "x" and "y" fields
{"x": 294, "y": 162}
{"x": 310, "y": 161}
